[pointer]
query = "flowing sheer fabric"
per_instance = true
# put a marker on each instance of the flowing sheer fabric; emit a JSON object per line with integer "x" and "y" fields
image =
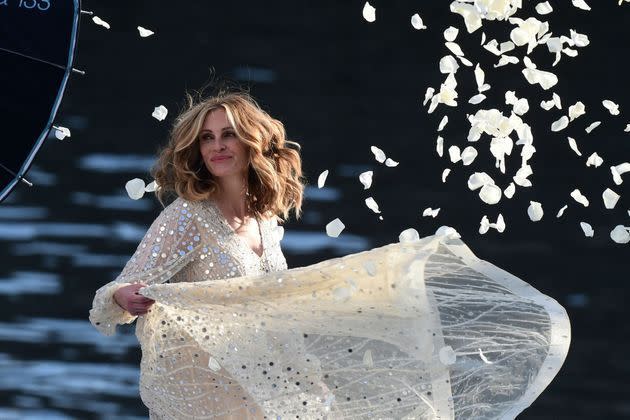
{"x": 420, "y": 329}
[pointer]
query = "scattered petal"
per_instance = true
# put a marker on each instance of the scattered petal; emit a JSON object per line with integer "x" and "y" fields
{"x": 450, "y": 33}
{"x": 620, "y": 234}
{"x": 619, "y": 170}
{"x": 448, "y": 65}
{"x": 369, "y": 12}
{"x": 561, "y": 211}
{"x": 592, "y": 127}
{"x": 612, "y": 107}
{"x": 409, "y": 235}
{"x": 573, "y": 145}
{"x": 577, "y": 196}
{"x": 334, "y": 228}
{"x": 610, "y": 198}
{"x": 535, "y": 211}
{"x": 477, "y": 99}
{"x": 443, "y": 123}
{"x": 468, "y": 155}
{"x": 439, "y": 146}
{"x": 379, "y": 155}
{"x": 581, "y": 4}
{"x": 135, "y": 188}
{"x": 159, "y": 113}
{"x": 544, "y": 8}
{"x": 416, "y": 22}
{"x": 510, "y": 190}
{"x": 454, "y": 154}
{"x": 594, "y": 160}
{"x": 454, "y": 48}
{"x": 62, "y": 132}
{"x": 588, "y": 229}
{"x": 576, "y": 110}
{"x": 391, "y": 163}
{"x": 430, "y": 212}
{"x": 445, "y": 173}
{"x": 490, "y": 194}
{"x": 560, "y": 124}
{"x": 151, "y": 187}
{"x": 100, "y": 22}
{"x": 321, "y": 179}
{"x": 372, "y": 205}
{"x": 145, "y": 32}
{"x": 428, "y": 95}
{"x": 366, "y": 179}
{"x": 545, "y": 79}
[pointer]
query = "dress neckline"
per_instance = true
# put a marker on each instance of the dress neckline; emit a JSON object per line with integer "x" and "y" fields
{"x": 239, "y": 238}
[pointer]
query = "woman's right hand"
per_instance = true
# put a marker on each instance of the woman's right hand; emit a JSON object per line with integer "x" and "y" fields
{"x": 128, "y": 298}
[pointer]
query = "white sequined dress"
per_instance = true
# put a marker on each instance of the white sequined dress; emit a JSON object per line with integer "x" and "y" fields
{"x": 420, "y": 329}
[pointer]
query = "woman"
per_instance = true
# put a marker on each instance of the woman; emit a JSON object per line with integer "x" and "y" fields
{"x": 420, "y": 329}
{"x": 234, "y": 173}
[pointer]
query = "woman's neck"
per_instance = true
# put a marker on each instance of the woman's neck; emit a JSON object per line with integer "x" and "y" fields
{"x": 232, "y": 197}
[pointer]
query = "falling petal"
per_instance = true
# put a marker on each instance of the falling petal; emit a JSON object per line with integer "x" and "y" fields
{"x": 151, "y": 187}
{"x": 619, "y": 170}
{"x": 448, "y": 65}
{"x": 428, "y": 95}
{"x": 447, "y": 355}
{"x": 454, "y": 154}
{"x": 620, "y": 234}
{"x": 588, "y": 229}
{"x": 450, "y": 33}
{"x": 445, "y": 173}
{"x": 610, "y": 198}
{"x": 334, "y": 228}
{"x": 135, "y": 188}
{"x": 627, "y": 129}
{"x": 100, "y": 22}
{"x": 468, "y": 155}
{"x": 544, "y": 8}
{"x": 321, "y": 179}
{"x": 439, "y": 146}
{"x": 576, "y": 110}
{"x": 454, "y": 48}
{"x": 430, "y": 212}
{"x": 612, "y": 107}
{"x": 545, "y": 79}
{"x": 594, "y": 160}
{"x": 510, "y": 190}
{"x": 160, "y": 112}
{"x": 372, "y": 205}
{"x": 560, "y": 124}
{"x": 535, "y": 211}
{"x": 379, "y": 155}
{"x": 592, "y": 127}
{"x": 478, "y": 180}
{"x": 369, "y": 12}
{"x": 366, "y": 179}
{"x": 62, "y": 132}
{"x": 477, "y": 99}
{"x": 577, "y": 196}
{"x": 391, "y": 163}
{"x": 145, "y": 32}
{"x": 581, "y": 4}
{"x": 561, "y": 211}
{"x": 416, "y": 22}
{"x": 573, "y": 145}
{"x": 490, "y": 194}
{"x": 443, "y": 123}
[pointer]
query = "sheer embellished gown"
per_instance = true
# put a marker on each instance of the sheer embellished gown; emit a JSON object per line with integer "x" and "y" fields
{"x": 420, "y": 329}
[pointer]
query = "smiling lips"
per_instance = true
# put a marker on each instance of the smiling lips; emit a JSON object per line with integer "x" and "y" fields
{"x": 220, "y": 158}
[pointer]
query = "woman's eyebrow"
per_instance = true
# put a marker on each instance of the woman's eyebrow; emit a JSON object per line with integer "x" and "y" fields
{"x": 210, "y": 131}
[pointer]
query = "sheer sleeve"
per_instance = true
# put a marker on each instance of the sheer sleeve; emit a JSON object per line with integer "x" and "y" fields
{"x": 169, "y": 245}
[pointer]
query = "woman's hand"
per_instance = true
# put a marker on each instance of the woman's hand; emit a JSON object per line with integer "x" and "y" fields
{"x": 128, "y": 298}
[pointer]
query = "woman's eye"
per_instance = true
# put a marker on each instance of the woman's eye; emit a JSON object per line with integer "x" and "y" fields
{"x": 228, "y": 134}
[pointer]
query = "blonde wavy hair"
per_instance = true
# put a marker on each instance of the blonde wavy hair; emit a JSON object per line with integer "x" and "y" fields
{"x": 275, "y": 182}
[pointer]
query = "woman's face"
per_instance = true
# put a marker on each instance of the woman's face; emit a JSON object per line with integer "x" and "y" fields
{"x": 223, "y": 152}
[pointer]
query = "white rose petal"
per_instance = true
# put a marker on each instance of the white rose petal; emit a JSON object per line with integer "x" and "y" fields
{"x": 372, "y": 205}
{"x": 545, "y": 79}
{"x": 468, "y": 155}
{"x": 594, "y": 160}
{"x": 100, "y": 22}
{"x": 521, "y": 176}
{"x": 472, "y": 17}
{"x": 620, "y": 234}
{"x": 321, "y": 179}
{"x": 454, "y": 48}
{"x": 506, "y": 59}
{"x": 576, "y": 110}
{"x": 577, "y": 196}
{"x": 581, "y": 4}
{"x": 416, "y": 22}
{"x": 366, "y": 179}
{"x": 560, "y": 124}
{"x": 561, "y": 211}
{"x": 159, "y": 113}
{"x": 391, "y": 163}
{"x": 151, "y": 187}
{"x": 135, "y": 188}
{"x": 448, "y": 65}
{"x": 490, "y": 194}
{"x": 612, "y": 107}
{"x": 588, "y": 229}
{"x": 430, "y": 212}
{"x": 443, "y": 123}
{"x": 369, "y": 12}
{"x": 439, "y": 146}
{"x": 544, "y": 8}
{"x": 334, "y": 228}
{"x": 144, "y": 32}
{"x": 454, "y": 154}
{"x": 450, "y": 33}
{"x": 619, "y": 170}
{"x": 379, "y": 155}
{"x": 428, "y": 95}
{"x": 478, "y": 180}
{"x": 445, "y": 173}
{"x": 510, "y": 190}
{"x": 535, "y": 211}
{"x": 477, "y": 99}
{"x": 610, "y": 198}
{"x": 573, "y": 145}
{"x": 62, "y": 132}
{"x": 592, "y": 127}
